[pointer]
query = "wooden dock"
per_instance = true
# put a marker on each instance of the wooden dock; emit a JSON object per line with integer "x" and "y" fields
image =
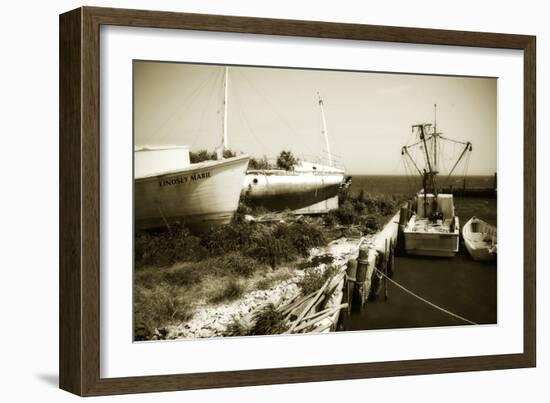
{"x": 375, "y": 253}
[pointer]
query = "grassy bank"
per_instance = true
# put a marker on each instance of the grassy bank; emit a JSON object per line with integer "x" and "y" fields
{"x": 366, "y": 211}
{"x": 175, "y": 270}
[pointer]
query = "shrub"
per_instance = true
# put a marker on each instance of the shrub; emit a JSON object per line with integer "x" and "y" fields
{"x": 363, "y": 208}
{"x": 264, "y": 283}
{"x": 286, "y": 160}
{"x": 270, "y": 244}
{"x": 372, "y": 224}
{"x": 229, "y": 292}
{"x": 227, "y": 153}
{"x": 236, "y": 328}
{"x": 225, "y": 238}
{"x": 158, "y": 306}
{"x": 301, "y": 237}
{"x": 183, "y": 276}
{"x": 243, "y": 266}
{"x": 262, "y": 163}
{"x": 346, "y": 213}
{"x": 202, "y": 155}
{"x": 314, "y": 279}
{"x": 330, "y": 219}
{"x": 272, "y": 277}
{"x": 268, "y": 320}
{"x": 205, "y": 155}
{"x": 165, "y": 247}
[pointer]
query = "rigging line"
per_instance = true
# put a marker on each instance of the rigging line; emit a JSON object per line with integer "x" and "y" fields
{"x": 407, "y": 154}
{"x": 262, "y": 96}
{"x": 467, "y": 164}
{"x": 182, "y": 107}
{"x": 471, "y": 322}
{"x": 442, "y": 161}
{"x": 247, "y": 122}
{"x": 408, "y": 175}
{"x": 410, "y": 180}
{"x": 394, "y": 169}
{"x": 207, "y": 107}
{"x": 419, "y": 142}
{"x": 454, "y": 141}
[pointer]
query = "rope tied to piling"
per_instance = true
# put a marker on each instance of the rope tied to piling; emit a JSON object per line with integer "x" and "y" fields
{"x": 380, "y": 273}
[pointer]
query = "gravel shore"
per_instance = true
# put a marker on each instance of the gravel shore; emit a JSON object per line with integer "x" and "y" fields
{"x": 212, "y": 320}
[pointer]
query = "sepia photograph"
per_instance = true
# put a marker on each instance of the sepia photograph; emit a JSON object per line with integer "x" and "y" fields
{"x": 280, "y": 201}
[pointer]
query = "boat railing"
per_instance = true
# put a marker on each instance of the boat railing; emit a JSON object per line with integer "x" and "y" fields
{"x": 314, "y": 159}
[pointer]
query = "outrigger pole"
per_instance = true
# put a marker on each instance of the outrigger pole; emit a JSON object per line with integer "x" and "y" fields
{"x": 468, "y": 147}
{"x": 405, "y": 151}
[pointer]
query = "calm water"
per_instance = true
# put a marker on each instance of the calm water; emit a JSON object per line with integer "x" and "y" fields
{"x": 461, "y": 285}
{"x": 392, "y": 184}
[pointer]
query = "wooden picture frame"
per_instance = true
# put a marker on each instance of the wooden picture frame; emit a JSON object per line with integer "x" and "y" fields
{"x": 79, "y": 200}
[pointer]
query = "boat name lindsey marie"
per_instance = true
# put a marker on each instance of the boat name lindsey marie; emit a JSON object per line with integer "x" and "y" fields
{"x": 184, "y": 179}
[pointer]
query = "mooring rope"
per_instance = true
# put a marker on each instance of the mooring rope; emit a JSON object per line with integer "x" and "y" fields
{"x": 425, "y": 300}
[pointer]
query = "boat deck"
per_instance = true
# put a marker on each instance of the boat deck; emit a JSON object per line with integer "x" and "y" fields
{"x": 425, "y": 225}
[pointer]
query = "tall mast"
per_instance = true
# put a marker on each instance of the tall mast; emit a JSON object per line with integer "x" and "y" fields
{"x": 324, "y": 129}
{"x": 225, "y": 144}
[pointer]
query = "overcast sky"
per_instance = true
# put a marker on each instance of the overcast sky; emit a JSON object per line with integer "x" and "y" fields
{"x": 369, "y": 115}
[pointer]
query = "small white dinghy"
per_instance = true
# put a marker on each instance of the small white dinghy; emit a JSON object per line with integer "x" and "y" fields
{"x": 480, "y": 239}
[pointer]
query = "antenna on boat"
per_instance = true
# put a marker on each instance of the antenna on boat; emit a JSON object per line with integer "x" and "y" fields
{"x": 324, "y": 129}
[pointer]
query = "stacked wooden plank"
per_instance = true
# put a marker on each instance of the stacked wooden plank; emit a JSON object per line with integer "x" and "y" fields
{"x": 318, "y": 311}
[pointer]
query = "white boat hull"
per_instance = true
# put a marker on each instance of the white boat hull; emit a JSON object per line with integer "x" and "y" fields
{"x": 429, "y": 242}
{"x": 480, "y": 241}
{"x": 202, "y": 195}
{"x": 280, "y": 190}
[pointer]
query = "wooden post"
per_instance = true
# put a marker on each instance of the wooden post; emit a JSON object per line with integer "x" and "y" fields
{"x": 403, "y": 219}
{"x": 385, "y": 269}
{"x": 391, "y": 259}
{"x": 361, "y": 275}
{"x": 351, "y": 272}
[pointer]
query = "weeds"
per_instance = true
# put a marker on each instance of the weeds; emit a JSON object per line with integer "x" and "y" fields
{"x": 229, "y": 292}
{"x": 367, "y": 210}
{"x": 273, "y": 277}
{"x": 268, "y": 320}
{"x": 166, "y": 247}
{"x": 286, "y": 160}
{"x": 237, "y": 328}
{"x": 270, "y": 244}
{"x": 205, "y": 155}
{"x": 259, "y": 163}
{"x": 175, "y": 267}
{"x": 158, "y": 306}
{"x": 314, "y": 279}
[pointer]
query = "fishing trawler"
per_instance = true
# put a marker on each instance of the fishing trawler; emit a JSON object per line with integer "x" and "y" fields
{"x": 168, "y": 187}
{"x": 308, "y": 187}
{"x": 433, "y": 228}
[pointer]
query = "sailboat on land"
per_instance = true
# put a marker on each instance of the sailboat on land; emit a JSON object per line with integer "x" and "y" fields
{"x": 168, "y": 187}
{"x": 307, "y": 187}
{"x": 433, "y": 228}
